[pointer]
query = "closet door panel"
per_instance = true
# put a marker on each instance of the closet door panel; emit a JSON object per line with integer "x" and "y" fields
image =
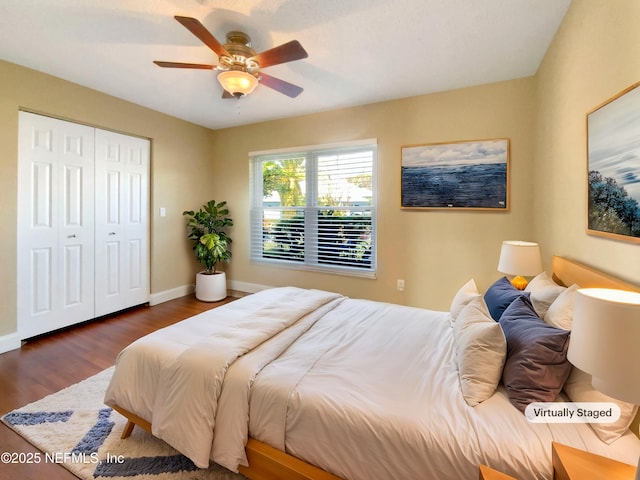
{"x": 137, "y": 220}
{"x": 83, "y": 223}
{"x": 39, "y": 301}
{"x": 136, "y": 264}
{"x": 111, "y": 198}
{"x": 37, "y": 272}
{"x": 76, "y": 223}
{"x": 73, "y": 206}
{"x": 55, "y": 224}
{"x": 73, "y": 275}
{"x": 137, "y": 206}
{"x": 112, "y": 268}
{"x": 41, "y": 185}
{"x": 122, "y": 222}
{"x": 109, "y": 225}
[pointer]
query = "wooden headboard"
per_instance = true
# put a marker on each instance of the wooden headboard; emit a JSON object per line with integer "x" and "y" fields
{"x": 567, "y": 272}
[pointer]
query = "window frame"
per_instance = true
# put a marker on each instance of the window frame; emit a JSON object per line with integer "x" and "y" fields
{"x": 311, "y": 154}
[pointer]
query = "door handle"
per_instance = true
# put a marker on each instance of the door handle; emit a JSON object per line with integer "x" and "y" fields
{"x": 71, "y": 236}
{"x": 112, "y": 233}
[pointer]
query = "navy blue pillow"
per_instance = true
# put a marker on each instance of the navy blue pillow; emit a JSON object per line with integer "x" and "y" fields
{"x": 500, "y": 295}
{"x": 536, "y": 367}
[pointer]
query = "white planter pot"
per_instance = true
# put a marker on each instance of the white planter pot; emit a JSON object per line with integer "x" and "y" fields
{"x": 211, "y": 288}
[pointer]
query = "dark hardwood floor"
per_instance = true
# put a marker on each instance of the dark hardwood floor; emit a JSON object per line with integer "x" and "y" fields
{"x": 52, "y": 362}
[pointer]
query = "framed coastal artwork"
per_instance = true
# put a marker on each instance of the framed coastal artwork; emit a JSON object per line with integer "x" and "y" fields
{"x": 613, "y": 146}
{"x": 470, "y": 175}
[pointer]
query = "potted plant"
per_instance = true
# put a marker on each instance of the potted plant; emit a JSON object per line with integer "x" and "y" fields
{"x": 207, "y": 230}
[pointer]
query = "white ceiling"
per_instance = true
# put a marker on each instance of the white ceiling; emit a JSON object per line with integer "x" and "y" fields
{"x": 360, "y": 51}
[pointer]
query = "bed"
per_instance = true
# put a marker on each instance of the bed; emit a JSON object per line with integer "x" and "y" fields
{"x": 306, "y": 384}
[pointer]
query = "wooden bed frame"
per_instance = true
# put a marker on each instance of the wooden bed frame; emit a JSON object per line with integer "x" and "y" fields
{"x": 265, "y": 462}
{"x": 268, "y": 463}
{"x": 567, "y": 272}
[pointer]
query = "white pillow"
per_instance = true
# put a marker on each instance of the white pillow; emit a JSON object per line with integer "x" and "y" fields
{"x": 481, "y": 350}
{"x": 579, "y": 389}
{"x": 467, "y": 293}
{"x": 543, "y": 292}
{"x": 560, "y": 313}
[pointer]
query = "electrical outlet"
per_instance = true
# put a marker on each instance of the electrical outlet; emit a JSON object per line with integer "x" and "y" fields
{"x": 400, "y": 285}
{"x": 163, "y": 212}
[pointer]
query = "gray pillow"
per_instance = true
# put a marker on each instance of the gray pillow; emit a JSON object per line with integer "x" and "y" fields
{"x": 536, "y": 367}
{"x": 500, "y": 295}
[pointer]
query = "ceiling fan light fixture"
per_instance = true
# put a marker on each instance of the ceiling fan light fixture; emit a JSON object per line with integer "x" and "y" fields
{"x": 240, "y": 67}
{"x": 237, "y": 82}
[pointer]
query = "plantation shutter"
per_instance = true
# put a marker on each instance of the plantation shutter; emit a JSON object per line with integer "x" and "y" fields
{"x": 315, "y": 208}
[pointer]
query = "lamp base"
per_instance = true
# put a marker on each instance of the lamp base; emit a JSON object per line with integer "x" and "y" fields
{"x": 519, "y": 282}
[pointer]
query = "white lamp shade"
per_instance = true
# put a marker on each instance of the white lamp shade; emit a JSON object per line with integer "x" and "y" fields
{"x": 237, "y": 82}
{"x": 604, "y": 340}
{"x": 520, "y": 258}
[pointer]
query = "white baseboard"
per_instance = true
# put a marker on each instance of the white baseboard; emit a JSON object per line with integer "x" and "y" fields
{"x": 246, "y": 286}
{"x": 178, "y": 292}
{"x": 9, "y": 342}
{"x": 172, "y": 294}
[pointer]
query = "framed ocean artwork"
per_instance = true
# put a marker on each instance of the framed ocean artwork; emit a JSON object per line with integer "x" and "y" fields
{"x": 471, "y": 175}
{"x": 613, "y": 146}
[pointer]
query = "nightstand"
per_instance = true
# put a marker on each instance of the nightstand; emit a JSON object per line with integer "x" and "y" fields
{"x": 487, "y": 473}
{"x": 572, "y": 464}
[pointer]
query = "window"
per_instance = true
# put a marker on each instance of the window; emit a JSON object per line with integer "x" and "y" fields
{"x": 315, "y": 208}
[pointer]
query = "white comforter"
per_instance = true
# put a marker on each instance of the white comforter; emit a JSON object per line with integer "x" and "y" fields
{"x": 362, "y": 389}
{"x": 371, "y": 392}
{"x": 174, "y": 377}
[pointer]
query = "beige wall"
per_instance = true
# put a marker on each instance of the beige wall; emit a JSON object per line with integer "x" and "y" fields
{"x": 180, "y": 170}
{"x": 435, "y": 252}
{"x": 593, "y": 57}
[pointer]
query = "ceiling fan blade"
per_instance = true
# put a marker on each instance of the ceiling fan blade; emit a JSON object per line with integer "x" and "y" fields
{"x": 226, "y": 94}
{"x": 199, "y": 30}
{"x": 287, "y": 52}
{"x": 199, "y": 66}
{"x": 289, "y": 89}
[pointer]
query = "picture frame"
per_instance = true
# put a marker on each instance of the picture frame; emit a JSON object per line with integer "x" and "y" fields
{"x": 613, "y": 167}
{"x": 461, "y": 175}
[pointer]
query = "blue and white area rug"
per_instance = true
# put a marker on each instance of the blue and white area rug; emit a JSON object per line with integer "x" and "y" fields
{"x": 75, "y": 429}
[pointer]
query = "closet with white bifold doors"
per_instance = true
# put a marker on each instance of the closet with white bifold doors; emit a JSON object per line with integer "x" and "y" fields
{"x": 83, "y": 223}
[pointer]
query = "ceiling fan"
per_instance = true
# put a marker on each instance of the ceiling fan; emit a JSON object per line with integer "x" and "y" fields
{"x": 240, "y": 66}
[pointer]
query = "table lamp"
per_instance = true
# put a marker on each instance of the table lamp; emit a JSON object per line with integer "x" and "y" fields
{"x": 604, "y": 341}
{"x": 520, "y": 259}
